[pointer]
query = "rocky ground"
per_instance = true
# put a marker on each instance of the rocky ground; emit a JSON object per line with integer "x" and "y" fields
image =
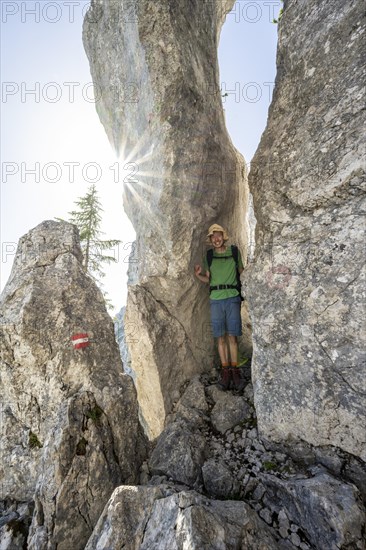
{"x": 218, "y": 452}
{"x": 211, "y": 482}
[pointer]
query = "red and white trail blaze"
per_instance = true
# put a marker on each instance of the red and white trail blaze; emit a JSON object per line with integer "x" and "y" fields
{"x": 80, "y": 340}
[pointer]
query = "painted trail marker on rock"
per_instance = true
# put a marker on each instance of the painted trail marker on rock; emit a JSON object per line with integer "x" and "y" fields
{"x": 80, "y": 340}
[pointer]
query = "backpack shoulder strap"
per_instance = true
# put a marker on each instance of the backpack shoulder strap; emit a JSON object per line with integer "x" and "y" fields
{"x": 234, "y": 252}
{"x": 209, "y": 257}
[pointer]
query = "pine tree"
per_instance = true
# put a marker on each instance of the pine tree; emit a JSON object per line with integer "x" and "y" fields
{"x": 88, "y": 219}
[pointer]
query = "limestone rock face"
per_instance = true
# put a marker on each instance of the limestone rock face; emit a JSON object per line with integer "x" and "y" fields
{"x": 69, "y": 430}
{"x": 179, "y": 454}
{"x": 217, "y": 479}
{"x": 305, "y": 285}
{"x": 154, "y": 66}
{"x": 337, "y": 518}
{"x": 302, "y": 503}
{"x": 157, "y": 518}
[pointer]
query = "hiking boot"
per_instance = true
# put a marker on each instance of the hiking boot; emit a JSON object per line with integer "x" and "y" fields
{"x": 239, "y": 383}
{"x": 224, "y": 382}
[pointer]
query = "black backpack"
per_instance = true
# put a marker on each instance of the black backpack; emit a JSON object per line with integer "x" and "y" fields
{"x": 234, "y": 254}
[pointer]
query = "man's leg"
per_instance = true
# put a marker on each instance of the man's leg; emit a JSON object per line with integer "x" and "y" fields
{"x": 223, "y": 351}
{"x": 234, "y": 330}
{"x": 233, "y": 346}
{"x": 218, "y": 330}
{"x": 225, "y": 369}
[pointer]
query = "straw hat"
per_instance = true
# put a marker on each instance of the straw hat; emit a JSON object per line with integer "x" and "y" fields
{"x": 216, "y": 227}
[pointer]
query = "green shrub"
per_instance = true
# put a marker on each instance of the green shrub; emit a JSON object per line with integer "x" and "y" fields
{"x": 95, "y": 415}
{"x": 279, "y": 16}
{"x": 268, "y": 465}
{"x": 33, "y": 441}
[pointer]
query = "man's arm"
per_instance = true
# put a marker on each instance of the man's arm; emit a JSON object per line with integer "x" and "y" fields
{"x": 198, "y": 273}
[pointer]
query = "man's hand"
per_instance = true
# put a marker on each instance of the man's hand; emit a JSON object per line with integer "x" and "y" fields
{"x": 199, "y": 274}
{"x": 197, "y": 270}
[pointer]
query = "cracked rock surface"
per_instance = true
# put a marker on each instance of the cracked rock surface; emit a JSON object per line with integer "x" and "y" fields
{"x": 306, "y": 284}
{"x": 69, "y": 417}
{"x": 72, "y": 467}
{"x": 243, "y": 494}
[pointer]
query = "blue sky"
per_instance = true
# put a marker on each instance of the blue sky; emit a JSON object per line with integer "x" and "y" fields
{"x": 49, "y": 121}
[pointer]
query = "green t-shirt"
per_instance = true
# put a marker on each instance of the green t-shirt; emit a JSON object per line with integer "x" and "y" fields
{"x": 223, "y": 272}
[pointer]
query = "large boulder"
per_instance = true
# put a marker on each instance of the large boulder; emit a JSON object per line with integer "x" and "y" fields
{"x": 306, "y": 283}
{"x": 157, "y": 518}
{"x": 70, "y": 432}
{"x": 179, "y": 454}
{"x": 229, "y": 410}
{"x": 218, "y": 479}
{"x": 329, "y": 511}
{"x": 155, "y": 69}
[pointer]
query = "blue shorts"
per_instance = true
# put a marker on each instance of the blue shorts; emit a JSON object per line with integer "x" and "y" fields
{"x": 225, "y": 317}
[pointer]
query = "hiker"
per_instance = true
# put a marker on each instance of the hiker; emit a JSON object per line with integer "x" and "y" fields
{"x": 222, "y": 268}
